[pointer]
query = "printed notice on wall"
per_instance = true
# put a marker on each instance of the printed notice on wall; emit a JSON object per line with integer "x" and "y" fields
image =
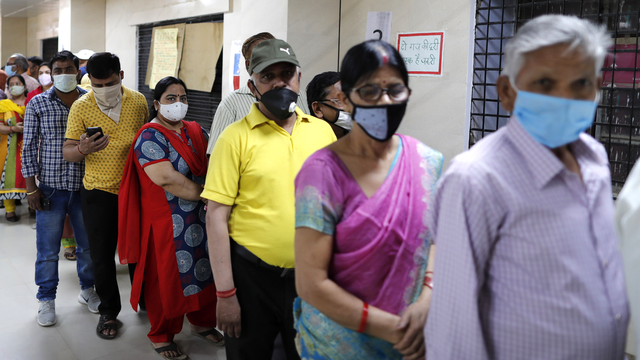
{"x": 165, "y": 55}
{"x": 422, "y": 52}
{"x": 379, "y": 26}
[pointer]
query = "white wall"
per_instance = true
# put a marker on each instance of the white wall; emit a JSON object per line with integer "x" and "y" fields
{"x": 436, "y": 113}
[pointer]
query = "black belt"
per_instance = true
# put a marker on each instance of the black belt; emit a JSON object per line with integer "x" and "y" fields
{"x": 250, "y": 257}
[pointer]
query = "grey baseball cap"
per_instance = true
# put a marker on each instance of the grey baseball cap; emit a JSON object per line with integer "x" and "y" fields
{"x": 269, "y": 52}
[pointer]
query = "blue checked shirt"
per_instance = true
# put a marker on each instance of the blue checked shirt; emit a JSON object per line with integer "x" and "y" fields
{"x": 45, "y": 123}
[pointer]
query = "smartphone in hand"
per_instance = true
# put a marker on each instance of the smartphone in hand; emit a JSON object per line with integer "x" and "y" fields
{"x": 92, "y": 130}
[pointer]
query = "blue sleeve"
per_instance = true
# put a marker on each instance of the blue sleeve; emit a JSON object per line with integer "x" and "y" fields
{"x": 151, "y": 146}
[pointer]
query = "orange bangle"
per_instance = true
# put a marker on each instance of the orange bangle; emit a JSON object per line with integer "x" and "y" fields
{"x": 365, "y": 316}
{"x": 226, "y": 294}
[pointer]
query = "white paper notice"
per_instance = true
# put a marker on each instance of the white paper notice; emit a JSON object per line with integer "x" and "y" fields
{"x": 422, "y": 52}
{"x": 379, "y": 26}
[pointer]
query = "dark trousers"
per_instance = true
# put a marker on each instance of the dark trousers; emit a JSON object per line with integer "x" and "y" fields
{"x": 100, "y": 214}
{"x": 266, "y": 303}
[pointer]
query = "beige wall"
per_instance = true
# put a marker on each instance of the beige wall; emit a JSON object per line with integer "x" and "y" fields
{"x": 40, "y": 27}
{"x": 88, "y": 25}
{"x": 436, "y": 113}
{"x": 313, "y": 34}
{"x": 249, "y": 17}
{"x": 14, "y": 37}
{"x": 122, "y": 17}
{"x": 81, "y": 25}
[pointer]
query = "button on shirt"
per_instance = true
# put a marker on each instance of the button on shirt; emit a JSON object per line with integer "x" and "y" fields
{"x": 45, "y": 123}
{"x": 252, "y": 168}
{"x": 527, "y": 264}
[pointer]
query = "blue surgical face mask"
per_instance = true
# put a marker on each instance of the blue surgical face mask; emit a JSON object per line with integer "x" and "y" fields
{"x": 553, "y": 121}
{"x": 9, "y": 70}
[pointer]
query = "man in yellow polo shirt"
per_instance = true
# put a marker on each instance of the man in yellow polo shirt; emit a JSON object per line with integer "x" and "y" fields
{"x": 119, "y": 112}
{"x": 250, "y": 215}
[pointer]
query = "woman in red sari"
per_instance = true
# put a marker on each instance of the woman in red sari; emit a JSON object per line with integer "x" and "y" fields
{"x": 162, "y": 223}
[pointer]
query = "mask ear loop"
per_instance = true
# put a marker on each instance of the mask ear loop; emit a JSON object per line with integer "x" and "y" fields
{"x": 255, "y": 87}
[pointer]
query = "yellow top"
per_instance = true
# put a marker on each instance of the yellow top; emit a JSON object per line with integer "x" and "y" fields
{"x": 103, "y": 169}
{"x": 253, "y": 167}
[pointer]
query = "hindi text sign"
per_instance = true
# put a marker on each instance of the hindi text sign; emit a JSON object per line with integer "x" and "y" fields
{"x": 422, "y": 52}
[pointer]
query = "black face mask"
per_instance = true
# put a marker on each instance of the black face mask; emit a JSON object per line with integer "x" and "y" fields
{"x": 379, "y": 122}
{"x": 281, "y": 102}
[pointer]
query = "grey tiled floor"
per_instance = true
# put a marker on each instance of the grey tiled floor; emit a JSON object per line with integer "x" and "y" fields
{"x": 74, "y": 334}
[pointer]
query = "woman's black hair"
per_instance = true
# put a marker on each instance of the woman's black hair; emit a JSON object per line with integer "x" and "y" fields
{"x": 365, "y": 58}
{"x": 161, "y": 87}
{"x": 21, "y": 79}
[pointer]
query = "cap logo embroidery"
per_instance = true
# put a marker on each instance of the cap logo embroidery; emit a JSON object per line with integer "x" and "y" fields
{"x": 285, "y": 50}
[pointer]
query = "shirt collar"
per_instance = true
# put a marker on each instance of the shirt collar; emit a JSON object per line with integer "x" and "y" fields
{"x": 543, "y": 164}
{"x": 244, "y": 90}
{"x": 256, "y": 117}
{"x": 51, "y": 93}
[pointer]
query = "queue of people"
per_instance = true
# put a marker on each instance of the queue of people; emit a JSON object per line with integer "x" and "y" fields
{"x": 322, "y": 229}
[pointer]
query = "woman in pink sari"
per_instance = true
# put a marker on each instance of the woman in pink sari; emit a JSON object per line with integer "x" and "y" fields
{"x": 361, "y": 243}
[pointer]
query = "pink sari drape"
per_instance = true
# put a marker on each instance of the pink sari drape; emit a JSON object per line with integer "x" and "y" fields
{"x": 381, "y": 248}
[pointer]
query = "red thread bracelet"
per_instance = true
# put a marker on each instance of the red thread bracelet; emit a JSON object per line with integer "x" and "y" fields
{"x": 226, "y": 294}
{"x": 428, "y": 281}
{"x": 83, "y": 154}
{"x": 365, "y": 316}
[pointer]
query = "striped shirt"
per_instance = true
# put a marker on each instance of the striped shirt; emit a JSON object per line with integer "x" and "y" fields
{"x": 236, "y": 106}
{"x": 527, "y": 265}
{"x": 45, "y": 121}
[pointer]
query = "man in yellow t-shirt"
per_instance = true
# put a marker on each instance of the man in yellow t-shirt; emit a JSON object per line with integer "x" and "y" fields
{"x": 250, "y": 215}
{"x": 120, "y": 113}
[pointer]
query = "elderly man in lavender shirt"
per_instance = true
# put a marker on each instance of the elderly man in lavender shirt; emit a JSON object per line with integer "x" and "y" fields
{"x": 527, "y": 265}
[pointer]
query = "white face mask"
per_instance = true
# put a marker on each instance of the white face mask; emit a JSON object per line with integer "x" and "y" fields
{"x": 44, "y": 79}
{"x": 174, "y": 112}
{"x": 16, "y": 90}
{"x": 65, "y": 82}
{"x": 108, "y": 97}
{"x": 344, "y": 120}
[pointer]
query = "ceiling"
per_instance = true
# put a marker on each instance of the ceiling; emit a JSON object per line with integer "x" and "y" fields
{"x": 27, "y": 8}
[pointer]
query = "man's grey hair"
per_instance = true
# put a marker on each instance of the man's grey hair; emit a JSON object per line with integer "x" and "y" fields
{"x": 21, "y": 61}
{"x": 548, "y": 30}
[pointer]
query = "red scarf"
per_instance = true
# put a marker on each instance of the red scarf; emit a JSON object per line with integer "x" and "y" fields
{"x": 130, "y": 215}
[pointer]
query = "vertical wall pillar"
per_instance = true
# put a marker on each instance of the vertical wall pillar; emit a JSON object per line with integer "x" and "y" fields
{"x": 82, "y": 25}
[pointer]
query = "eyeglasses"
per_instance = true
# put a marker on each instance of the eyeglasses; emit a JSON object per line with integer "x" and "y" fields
{"x": 335, "y": 102}
{"x": 397, "y": 92}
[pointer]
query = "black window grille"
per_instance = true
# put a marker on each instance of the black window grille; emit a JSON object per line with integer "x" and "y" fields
{"x": 617, "y": 123}
{"x": 202, "y": 104}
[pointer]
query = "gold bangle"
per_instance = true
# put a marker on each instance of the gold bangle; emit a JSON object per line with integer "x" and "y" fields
{"x": 33, "y": 192}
